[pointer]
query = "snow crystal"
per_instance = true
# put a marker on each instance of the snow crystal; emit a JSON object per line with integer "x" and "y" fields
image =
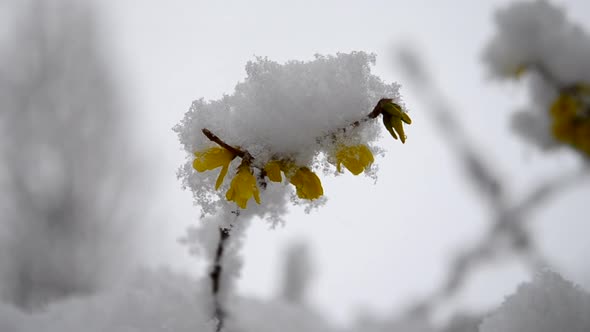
{"x": 290, "y": 111}
{"x": 547, "y": 304}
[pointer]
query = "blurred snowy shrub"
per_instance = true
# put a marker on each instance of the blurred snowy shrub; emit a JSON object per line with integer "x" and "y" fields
{"x": 536, "y": 38}
{"x": 547, "y": 304}
{"x": 148, "y": 301}
{"x": 69, "y": 185}
{"x": 287, "y": 119}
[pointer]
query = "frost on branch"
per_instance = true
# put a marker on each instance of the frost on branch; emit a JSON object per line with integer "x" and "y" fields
{"x": 536, "y": 38}
{"x": 547, "y": 304}
{"x": 283, "y": 122}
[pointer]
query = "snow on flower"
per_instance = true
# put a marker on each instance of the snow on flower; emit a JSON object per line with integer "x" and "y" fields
{"x": 536, "y": 40}
{"x": 286, "y": 118}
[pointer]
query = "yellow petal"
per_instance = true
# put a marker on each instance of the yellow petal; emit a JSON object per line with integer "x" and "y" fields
{"x": 212, "y": 158}
{"x": 221, "y": 176}
{"x": 520, "y": 70}
{"x": 406, "y": 118}
{"x": 273, "y": 171}
{"x": 355, "y": 158}
{"x": 387, "y": 123}
{"x": 582, "y": 137}
{"x": 396, "y": 123}
{"x": 243, "y": 186}
{"x": 288, "y": 167}
{"x": 393, "y": 109}
{"x": 256, "y": 195}
{"x": 307, "y": 184}
{"x": 565, "y": 107}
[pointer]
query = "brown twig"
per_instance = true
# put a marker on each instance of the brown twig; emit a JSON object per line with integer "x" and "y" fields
{"x": 214, "y": 138}
{"x": 215, "y": 276}
{"x": 378, "y": 109}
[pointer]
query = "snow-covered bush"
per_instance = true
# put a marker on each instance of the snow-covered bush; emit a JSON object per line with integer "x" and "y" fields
{"x": 283, "y": 119}
{"x": 289, "y": 118}
{"x": 68, "y": 184}
{"x": 537, "y": 38}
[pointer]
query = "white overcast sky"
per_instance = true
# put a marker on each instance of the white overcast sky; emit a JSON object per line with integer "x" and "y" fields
{"x": 375, "y": 246}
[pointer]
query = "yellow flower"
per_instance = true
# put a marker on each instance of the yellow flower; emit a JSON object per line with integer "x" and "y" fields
{"x": 243, "y": 187}
{"x": 570, "y": 122}
{"x": 393, "y": 116}
{"x": 273, "y": 171}
{"x": 307, "y": 183}
{"x": 564, "y": 130}
{"x": 582, "y": 140}
{"x": 565, "y": 107}
{"x": 211, "y": 159}
{"x": 355, "y": 158}
{"x": 274, "y": 168}
{"x": 520, "y": 70}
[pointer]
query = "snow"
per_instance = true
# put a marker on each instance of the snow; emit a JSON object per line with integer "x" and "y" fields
{"x": 147, "y": 301}
{"x": 547, "y": 304}
{"x": 536, "y": 41}
{"x": 279, "y": 110}
{"x": 286, "y": 111}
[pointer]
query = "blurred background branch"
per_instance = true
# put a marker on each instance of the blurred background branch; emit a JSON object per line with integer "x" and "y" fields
{"x": 507, "y": 234}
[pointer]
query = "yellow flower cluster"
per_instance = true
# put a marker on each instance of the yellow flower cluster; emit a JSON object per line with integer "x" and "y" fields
{"x": 570, "y": 116}
{"x": 244, "y": 186}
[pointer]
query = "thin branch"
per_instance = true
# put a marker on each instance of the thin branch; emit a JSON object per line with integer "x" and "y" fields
{"x": 214, "y": 138}
{"x": 508, "y": 232}
{"x": 215, "y": 276}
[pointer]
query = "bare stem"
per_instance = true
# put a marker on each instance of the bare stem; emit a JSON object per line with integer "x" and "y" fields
{"x": 215, "y": 276}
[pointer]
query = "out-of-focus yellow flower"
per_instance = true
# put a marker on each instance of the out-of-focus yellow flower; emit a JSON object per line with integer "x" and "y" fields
{"x": 355, "y": 158}
{"x": 307, "y": 183}
{"x": 520, "y": 70}
{"x": 571, "y": 119}
{"x": 393, "y": 116}
{"x": 583, "y": 137}
{"x": 243, "y": 186}
{"x": 273, "y": 171}
{"x": 213, "y": 158}
{"x": 565, "y": 107}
